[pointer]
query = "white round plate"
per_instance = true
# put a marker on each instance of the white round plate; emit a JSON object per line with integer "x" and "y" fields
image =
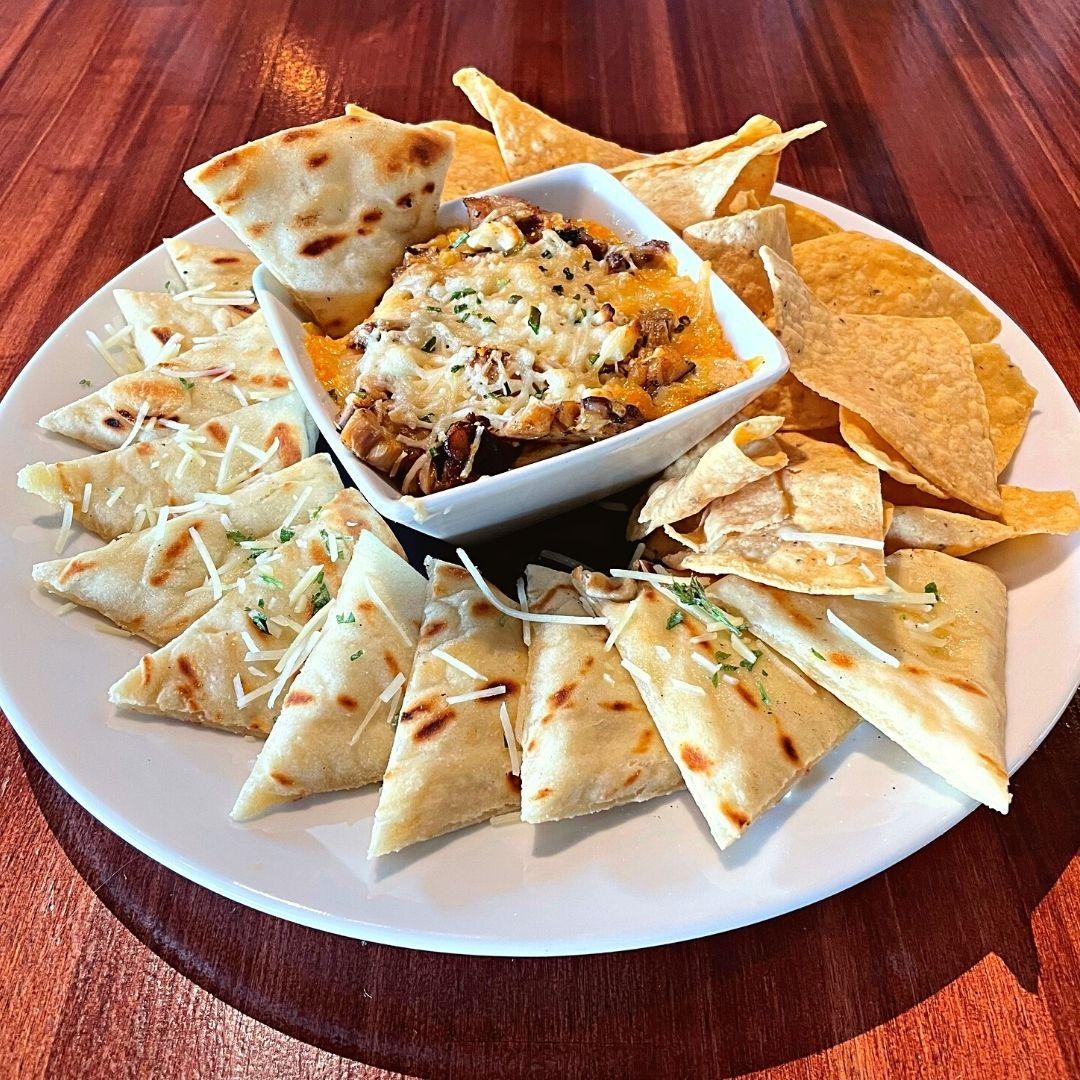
{"x": 627, "y": 878}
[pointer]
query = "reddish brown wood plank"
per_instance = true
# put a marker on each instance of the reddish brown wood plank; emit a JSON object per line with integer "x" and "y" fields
{"x": 953, "y": 123}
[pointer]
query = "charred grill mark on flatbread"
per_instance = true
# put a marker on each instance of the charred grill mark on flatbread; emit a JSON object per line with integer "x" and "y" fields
{"x": 289, "y": 449}
{"x": 965, "y": 685}
{"x": 543, "y": 793}
{"x": 617, "y": 706}
{"x": 644, "y": 741}
{"x": 480, "y": 608}
{"x": 405, "y": 201}
{"x": 299, "y": 697}
{"x": 322, "y": 244}
{"x": 73, "y": 568}
{"x": 146, "y": 670}
{"x": 787, "y": 746}
{"x": 162, "y": 333}
{"x": 369, "y": 217}
{"x": 694, "y": 759}
{"x": 843, "y": 660}
{"x": 562, "y": 696}
{"x": 281, "y": 778}
{"x": 748, "y": 698}
{"x": 217, "y": 431}
{"x": 315, "y": 160}
{"x": 225, "y": 260}
{"x": 432, "y": 629}
{"x": 734, "y": 815}
{"x": 424, "y": 150}
{"x": 434, "y": 725}
{"x": 347, "y": 702}
{"x": 294, "y": 134}
{"x": 631, "y": 778}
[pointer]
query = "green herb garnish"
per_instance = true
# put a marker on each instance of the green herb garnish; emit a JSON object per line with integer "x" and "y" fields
{"x": 818, "y": 655}
{"x": 462, "y": 292}
{"x": 259, "y": 619}
{"x": 270, "y": 580}
{"x": 692, "y": 594}
{"x": 456, "y": 368}
{"x": 931, "y": 587}
{"x": 286, "y": 535}
{"x": 429, "y": 345}
{"x": 356, "y": 655}
{"x": 763, "y": 695}
{"x": 238, "y": 537}
{"x": 456, "y": 243}
{"x": 513, "y": 299}
{"x": 674, "y": 619}
{"x": 316, "y": 512}
{"x": 348, "y": 617}
{"x": 321, "y": 596}
{"x": 593, "y": 357}
{"x": 85, "y": 382}
{"x": 187, "y": 384}
{"x": 749, "y": 664}
{"x": 534, "y": 320}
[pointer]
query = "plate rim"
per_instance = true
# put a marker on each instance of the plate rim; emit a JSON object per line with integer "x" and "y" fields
{"x": 467, "y": 943}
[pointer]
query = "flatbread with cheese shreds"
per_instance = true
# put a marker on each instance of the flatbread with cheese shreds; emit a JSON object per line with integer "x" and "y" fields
{"x": 233, "y": 369}
{"x": 269, "y": 621}
{"x": 154, "y": 582}
{"x": 224, "y": 270}
{"x": 933, "y": 679}
{"x": 588, "y": 742}
{"x": 156, "y": 317}
{"x": 450, "y": 765}
{"x": 330, "y": 207}
{"x": 122, "y": 490}
{"x": 335, "y": 729}
{"x": 741, "y": 729}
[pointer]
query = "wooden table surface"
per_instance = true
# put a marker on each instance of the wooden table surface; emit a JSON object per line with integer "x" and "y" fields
{"x": 953, "y": 123}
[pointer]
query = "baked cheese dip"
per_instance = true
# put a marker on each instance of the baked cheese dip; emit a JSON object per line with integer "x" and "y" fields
{"x": 520, "y": 337}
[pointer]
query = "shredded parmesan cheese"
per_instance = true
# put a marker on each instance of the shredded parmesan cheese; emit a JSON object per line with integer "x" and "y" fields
{"x": 637, "y": 672}
{"x": 830, "y": 538}
{"x": 690, "y": 688}
{"x": 388, "y": 692}
{"x": 623, "y": 623}
{"x": 381, "y": 605}
{"x": 211, "y": 569}
{"x": 523, "y": 601}
{"x": 65, "y": 526}
{"x": 858, "y": 639}
{"x": 136, "y": 427}
{"x": 63, "y": 609}
{"x": 86, "y": 491}
{"x": 461, "y": 666}
{"x": 511, "y": 739}
{"x": 743, "y": 650}
{"x": 559, "y": 559}
{"x": 477, "y": 695}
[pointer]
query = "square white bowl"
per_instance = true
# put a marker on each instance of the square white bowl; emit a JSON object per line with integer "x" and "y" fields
{"x": 510, "y": 500}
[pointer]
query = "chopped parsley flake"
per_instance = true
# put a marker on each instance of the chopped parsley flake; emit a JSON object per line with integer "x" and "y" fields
{"x": 931, "y": 587}
{"x": 356, "y": 655}
{"x": 348, "y": 617}
{"x": 674, "y": 619}
{"x": 748, "y": 664}
{"x": 187, "y": 384}
{"x": 818, "y": 655}
{"x": 316, "y": 512}
{"x": 286, "y": 535}
{"x": 429, "y": 345}
{"x": 460, "y": 293}
{"x": 270, "y": 580}
{"x": 258, "y": 618}
{"x": 321, "y": 596}
{"x": 459, "y": 241}
{"x": 513, "y": 299}
{"x": 456, "y": 368}
{"x": 593, "y": 357}
{"x": 763, "y": 695}
{"x": 692, "y": 594}
{"x": 84, "y": 382}
{"x": 534, "y": 320}
{"x": 238, "y": 537}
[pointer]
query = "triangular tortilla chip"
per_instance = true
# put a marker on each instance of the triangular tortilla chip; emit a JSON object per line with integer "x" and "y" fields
{"x": 802, "y": 222}
{"x": 1009, "y": 400}
{"x": 330, "y": 207}
{"x": 450, "y": 766}
{"x": 588, "y": 742}
{"x": 225, "y": 269}
{"x": 128, "y": 486}
{"x": 730, "y": 245}
{"x": 777, "y": 530}
{"x": 239, "y": 365}
{"x": 155, "y": 317}
{"x": 736, "y": 454}
{"x": 1025, "y": 513}
{"x": 853, "y": 272}
{"x": 801, "y": 408}
{"x": 945, "y": 701}
{"x": 874, "y": 450}
{"x": 530, "y": 140}
{"x": 154, "y": 582}
{"x": 201, "y": 675}
{"x": 476, "y": 164}
{"x": 740, "y": 743}
{"x": 911, "y": 380}
{"x": 334, "y": 733}
{"x": 687, "y": 186}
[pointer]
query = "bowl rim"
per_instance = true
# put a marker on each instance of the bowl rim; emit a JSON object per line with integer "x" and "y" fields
{"x": 413, "y": 510}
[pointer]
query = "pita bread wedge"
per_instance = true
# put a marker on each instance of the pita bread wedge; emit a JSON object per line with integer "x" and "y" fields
{"x": 941, "y": 695}
{"x": 476, "y": 164}
{"x": 1009, "y": 400}
{"x": 201, "y": 265}
{"x": 912, "y": 380}
{"x": 736, "y": 454}
{"x": 335, "y": 731}
{"x": 154, "y": 582}
{"x": 741, "y": 732}
{"x": 204, "y": 676}
{"x": 815, "y": 526}
{"x": 801, "y": 408}
{"x": 588, "y": 742}
{"x": 853, "y": 272}
{"x": 1025, "y": 513}
{"x": 450, "y": 765}
{"x": 330, "y": 207}
{"x": 802, "y": 222}
{"x": 204, "y": 382}
{"x": 155, "y": 317}
{"x": 687, "y": 186}
{"x": 530, "y": 140}
{"x": 128, "y": 486}
{"x": 730, "y": 245}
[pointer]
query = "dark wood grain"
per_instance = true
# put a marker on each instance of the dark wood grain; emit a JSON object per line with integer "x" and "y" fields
{"x": 954, "y": 123}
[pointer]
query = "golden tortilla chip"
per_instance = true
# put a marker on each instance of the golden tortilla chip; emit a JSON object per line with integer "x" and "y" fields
{"x": 700, "y": 183}
{"x": 912, "y": 380}
{"x": 735, "y": 455}
{"x": 853, "y": 272}
{"x": 730, "y": 245}
{"x": 1025, "y": 513}
{"x": 935, "y": 680}
{"x": 776, "y": 530}
{"x": 801, "y": 408}
{"x": 802, "y": 222}
{"x": 1009, "y": 400}
{"x": 476, "y": 164}
{"x": 872, "y": 448}
{"x": 530, "y": 140}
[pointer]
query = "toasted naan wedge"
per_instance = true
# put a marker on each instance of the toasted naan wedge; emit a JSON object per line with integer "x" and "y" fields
{"x": 941, "y": 696}
{"x": 853, "y": 272}
{"x": 530, "y": 140}
{"x": 187, "y": 390}
{"x": 330, "y": 207}
{"x": 779, "y": 530}
{"x": 730, "y": 245}
{"x": 476, "y": 164}
{"x": 334, "y": 732}
{"x": 736, "y": 454}
{"x": 718, "y": 177}
{"x": 450, "y": 765}
{"x": 588, "y": 742}
{"x": 204, "y": 675}
{"x": 1025, "y": 513}
{"x": 154, "y": 582}
{"x": 741, "y": 743}
{"x": 129, "y": 486}
{"x": 154, "y": 317}
{"x": 912, "y": 380}
{"x": 199, "y": 265}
